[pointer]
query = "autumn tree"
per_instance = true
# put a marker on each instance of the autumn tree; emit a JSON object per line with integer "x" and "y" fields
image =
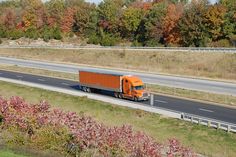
{"x": 33, "y": 14}
{"x": 152, "y": 32}
{"x": 68, "y": 20}
{"x": 55, "y": 10}
{"x": 171, "y": 32}
{"x": 214, "y": 21}
{"x": 9, "y": 18}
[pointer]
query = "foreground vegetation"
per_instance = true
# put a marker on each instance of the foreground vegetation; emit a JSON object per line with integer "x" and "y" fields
{"x": 138, "y": 23}
{"x": 204, "y": 140}
{"x": 197, "y": 64}
{"x": 216, "y": 98}
{"x": 39, "y": 126}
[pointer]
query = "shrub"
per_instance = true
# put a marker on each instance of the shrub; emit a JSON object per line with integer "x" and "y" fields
{"x": 15, "y": 34}
{"x": 153, "y": 43}
{"x": 135, "y": 43}
{"x": 57, "y": 33}
{"x": 39, "y": 126}
{"x": 32, "y": 33}
{"x": 3, "y": 33}
{"x": 94, "y": 39}
{"x": 220, "y": 43}
{"x": 108, "y": 40}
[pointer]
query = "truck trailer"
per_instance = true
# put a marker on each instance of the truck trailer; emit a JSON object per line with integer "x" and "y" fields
{"x": 122, "y": 86}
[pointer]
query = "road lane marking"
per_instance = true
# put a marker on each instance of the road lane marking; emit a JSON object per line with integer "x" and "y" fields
{"x": 205, "y": 110}
{"x": 0, "y": 73}
{"x": 66, "y": 84}
{"x": 161, "y": 101}
{"x": 19, "y": 76}
{"x": 41, "y": 80}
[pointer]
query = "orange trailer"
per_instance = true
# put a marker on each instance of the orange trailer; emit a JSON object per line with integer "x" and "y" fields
{"x": 123, "y": 86}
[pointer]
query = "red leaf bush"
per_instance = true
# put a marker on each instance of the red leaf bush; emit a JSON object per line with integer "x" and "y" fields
{"x": 80, "y": 133}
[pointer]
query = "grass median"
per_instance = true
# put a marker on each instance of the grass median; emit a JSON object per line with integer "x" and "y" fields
{"x": 201, "y": 139}
{"x": 216, "y": 98}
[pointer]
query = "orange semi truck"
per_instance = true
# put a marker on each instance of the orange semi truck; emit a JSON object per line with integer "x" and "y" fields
{"x": 123, "y": 86}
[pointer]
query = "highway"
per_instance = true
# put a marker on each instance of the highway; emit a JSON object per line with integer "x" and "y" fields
{"x": 207, "y": 110}
{"x": 165, "y": 80}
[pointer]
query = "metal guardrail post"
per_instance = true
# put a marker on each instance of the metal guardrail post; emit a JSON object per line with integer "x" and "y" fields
{"x": 199, "y": 121}
{"x": 228, "y": 128}
{"x": 151, "y": 99}
{"x": 209, "y": 124}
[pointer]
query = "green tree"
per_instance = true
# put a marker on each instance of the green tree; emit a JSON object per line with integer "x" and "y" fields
{"x": 151, "y": 33}
{"x": 110, "y": 12}
{"x": 192, "y": 27}
{"x": 84, "y": 18}
{"x": 131, "y": 20}
{"x": 229, "y": 27}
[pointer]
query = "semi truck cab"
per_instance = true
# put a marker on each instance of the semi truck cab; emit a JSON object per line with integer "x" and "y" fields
{"x": 133, "y": 88}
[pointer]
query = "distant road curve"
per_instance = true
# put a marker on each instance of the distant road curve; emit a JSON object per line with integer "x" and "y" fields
{"x": 165, "y": 80}
{"x": 173, "y": 49}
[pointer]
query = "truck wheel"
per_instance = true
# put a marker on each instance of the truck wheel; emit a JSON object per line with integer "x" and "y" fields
{"x": 120, "y": 96}
{"x": 135, "y": 99}
{"x": 116, "y": 95}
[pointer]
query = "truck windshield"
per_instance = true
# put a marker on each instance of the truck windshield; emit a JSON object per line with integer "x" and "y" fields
{"x": 138, "y": 87}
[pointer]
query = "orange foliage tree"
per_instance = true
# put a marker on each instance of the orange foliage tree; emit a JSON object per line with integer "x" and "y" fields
{"x": 68, "y": 20}
{"x": 170, "y": 29}
{"x": 214, "y": 20}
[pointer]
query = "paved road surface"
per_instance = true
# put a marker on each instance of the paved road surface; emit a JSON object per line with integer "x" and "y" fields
{"x": 171, "y": 81}
{"x": 181, "y": 105}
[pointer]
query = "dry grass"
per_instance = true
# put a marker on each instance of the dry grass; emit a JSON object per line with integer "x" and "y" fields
{"x": 216, "y": 98}
{"x": 198, "y": 64}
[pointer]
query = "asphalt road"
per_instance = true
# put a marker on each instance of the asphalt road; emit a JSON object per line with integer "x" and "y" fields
{"x": 165, "y": 80}
{"x": 207, "y": 110}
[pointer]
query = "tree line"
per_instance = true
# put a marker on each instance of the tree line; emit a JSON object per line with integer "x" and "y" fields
{"x": 112, "y": 22}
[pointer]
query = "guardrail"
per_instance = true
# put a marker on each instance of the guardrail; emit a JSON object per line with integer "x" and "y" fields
{"x": 174, "y": 49}
{"x": 229, "y": 127}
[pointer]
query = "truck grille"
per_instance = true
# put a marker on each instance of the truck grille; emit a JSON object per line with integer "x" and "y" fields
{"x": 145, "y": 94}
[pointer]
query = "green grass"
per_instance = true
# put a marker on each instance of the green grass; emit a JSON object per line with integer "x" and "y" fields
{"x": 201, "y": 139}
{"x": 8, "y": 153}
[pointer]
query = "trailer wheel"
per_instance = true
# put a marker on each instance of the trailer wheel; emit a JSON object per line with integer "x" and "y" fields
{"x": 116, "y": 95}
{"x": 84, "y": 89}
{"x": 88, "y": 90}
{"x": 120, "y": 96}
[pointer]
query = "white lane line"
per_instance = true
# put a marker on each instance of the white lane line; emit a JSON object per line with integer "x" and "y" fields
{"x": 19, "y": 76}
{"x": 66, "y": 84}
{"x": 0, "y": 73}
{"x": 205, "y": 110}
{"x": 41, "y": 80}
{"x": 161, "y": 101}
